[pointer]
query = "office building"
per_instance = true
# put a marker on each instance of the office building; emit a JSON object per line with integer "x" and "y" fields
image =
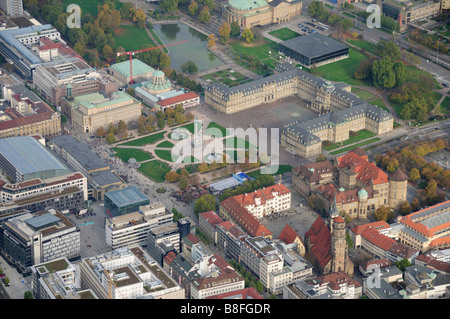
{"x": 133, "y": 228}
{"x": 128, "y": 273}
{"x": 69, "y": 77}
{"x": 162, "y": 240}
{"x": 34, "y": 238}
{"x": 56, "y": 279}
{"x": 15, "y": 46}
{"x": 12, "y": 192}
{"x": 80, "y": 158}
{"x": 124, "y": 201}
{"x": 12, "y": 7}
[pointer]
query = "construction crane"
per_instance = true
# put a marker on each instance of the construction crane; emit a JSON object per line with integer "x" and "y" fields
{"x": 131, "y": 53}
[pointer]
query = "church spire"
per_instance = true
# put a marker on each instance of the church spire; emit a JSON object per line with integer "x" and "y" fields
{"x": 333, "y": 209}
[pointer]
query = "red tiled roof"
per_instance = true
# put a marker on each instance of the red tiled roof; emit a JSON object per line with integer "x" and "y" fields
{"x": 243, "y": 218}
{"x": 375, "y": 225}
{"x": 399, "y": 176}
{"x": 264, "y": 194}
{"x": 288, "y": 235}
{"x": 380, "y": 263}
{"x": 343, "y": 197}
{"x": 211, "y": 218}
{"x": 178, "y": 99}
{"x": 194, "y": 239}
{"x": 366, "y": 171}
{"x": 26, "y": 120}
{"x": 319, "y": 237}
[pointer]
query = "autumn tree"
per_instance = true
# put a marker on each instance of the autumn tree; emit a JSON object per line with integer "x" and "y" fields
{"x": 383, "y": 213}
{"x": 193, "y": 8}
{"x": 224, "y": 32}
{"x": 172, "y": 176}
{"x": 211, "y": 40}
{"x": 100, "y": 132}
{"x": 204, "y": 16}
{"x": 405, "y": 208}
{"x": 414, "y": 174}
{"x": 248, "y": 36}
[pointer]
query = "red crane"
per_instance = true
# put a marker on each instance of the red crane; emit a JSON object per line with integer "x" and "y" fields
{"x": 131, "y": 53}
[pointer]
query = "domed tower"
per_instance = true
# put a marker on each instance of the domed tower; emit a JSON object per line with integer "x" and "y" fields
{"x": 362, "y": 200}
{"x": 398, "y": 187}
{"x": 339, "y": 248}
{"x": 158, "y": 84}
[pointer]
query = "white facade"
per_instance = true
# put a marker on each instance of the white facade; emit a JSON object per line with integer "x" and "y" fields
{"x": 11, "y": 192}
{"x": 133, "y": 228}
{"x": 128, "y": 273}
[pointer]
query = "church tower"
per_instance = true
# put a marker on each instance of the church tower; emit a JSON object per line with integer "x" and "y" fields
{"x": 339, "y": 248}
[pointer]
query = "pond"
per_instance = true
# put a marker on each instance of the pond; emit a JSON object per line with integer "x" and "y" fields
{"x": 195, "y": 49}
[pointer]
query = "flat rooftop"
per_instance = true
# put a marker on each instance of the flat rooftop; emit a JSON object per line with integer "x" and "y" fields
{"x": 313, "y": 45}
{"x": 126, "y": 196}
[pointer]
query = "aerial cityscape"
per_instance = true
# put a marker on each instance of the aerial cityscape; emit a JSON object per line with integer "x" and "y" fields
{"x": 223, "y": 150}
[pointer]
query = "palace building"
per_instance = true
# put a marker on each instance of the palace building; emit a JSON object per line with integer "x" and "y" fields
{"x": 340, "y": 111}
{"x": 252, "y": 13}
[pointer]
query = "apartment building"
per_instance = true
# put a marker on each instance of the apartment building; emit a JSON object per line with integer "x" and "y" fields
{"x": 12, "y": 7}
{"x": 406, "y": 12}
{"x": 133, "y": 228}
{"x": 307, "y": 178}
{"x": 128, "y": 273}
{"x": 34, "y": 238}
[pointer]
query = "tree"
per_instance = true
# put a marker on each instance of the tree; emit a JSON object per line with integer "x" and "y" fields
{"x": 402, "y": 264}
{"x": 168, "y": 5}
{"x": 193, "y": 8}
{"x": 414, "y": 174}
{"x": 248, "y": 36}
{"x": 224, "y": 32}
{"x": 172, "y": 176}
{"x": 415, "y": 204}
{"x": 108, "y": 52}
{"x": 205, "y": 203}
{"x": 183, "y": 182}
{"x": 100, "y": 132}
{"x": 164, "y": 60}
{"x": 204, "y": 16}
{"x": 110, "y": 138}
{"x": 28, "y": 295}
{"x": 321, "y": 158}
{"x": 383, "y": 213}
{"x": 388, "y": 49}
{"x": 235, "y": 29}
{"x": 161, "y": 123}
{"x": 211, "y": 40}
{"x": 405, "y": 208}
{"x": 383, "y": 74}
{"x": 189, "y": 67}
{"x": 364, "y": 70}
{"x": 393, "y": 165}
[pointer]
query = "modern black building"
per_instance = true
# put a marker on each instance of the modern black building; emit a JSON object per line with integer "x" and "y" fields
{"x": 314, "y": 50}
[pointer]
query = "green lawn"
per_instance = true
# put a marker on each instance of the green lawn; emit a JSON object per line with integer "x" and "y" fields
{"x": 380, "y": 104}
{"x": 362, "y": 135}
{"x": 346, "y": 149}
{"x": 165, "y": 144}
{"x": 281, "y": 170}
{"x": 343, "y": 70}
{"x": 228, "y": 77}
{"x": 369, "y": 47}
{"x": 284, "y": 34}
{"x": 155, "y": 170}
{"x": 235, "y": 142}
{"x": 445, "y": 105}
{"x": 265, "y": 51}
{"x": 365, "y": 95}
{"x": 90, "y": 6}
{"x": 131, "y": 37}
{"x": 126, "y": 153}
{"x": 165, "y": 155}
{"x": 149, "y": 139}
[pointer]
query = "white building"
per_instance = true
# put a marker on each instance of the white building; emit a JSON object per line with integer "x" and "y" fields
{"x": 12, "y": 7}
{"x": 11, "y": 192}
{"x": 133, "y": 228}
{"x": 266, "y": 201}
{"x": 262, "y": 258}
{"x": 128, "y": 273}
{"x": 57, "y": 280}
